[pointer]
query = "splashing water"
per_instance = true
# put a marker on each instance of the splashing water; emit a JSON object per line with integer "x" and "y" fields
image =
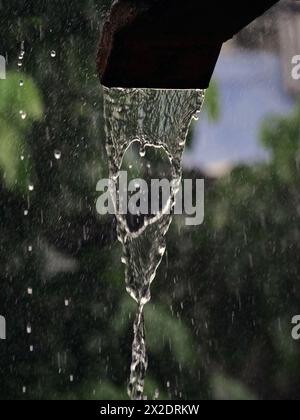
{"x": 159, "y": 119}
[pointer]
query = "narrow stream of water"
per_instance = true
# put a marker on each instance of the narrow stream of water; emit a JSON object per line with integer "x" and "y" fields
{"x": 159, "y": 119}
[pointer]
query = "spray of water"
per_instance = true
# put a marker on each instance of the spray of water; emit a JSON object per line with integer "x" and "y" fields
{"x": 159, "y": 119}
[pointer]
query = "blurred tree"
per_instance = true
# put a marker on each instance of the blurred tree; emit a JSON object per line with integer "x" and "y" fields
{"x": 241, "y": 270}
{"x": 17, "y": 112}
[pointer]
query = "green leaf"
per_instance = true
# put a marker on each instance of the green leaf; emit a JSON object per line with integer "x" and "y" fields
{"x": 20, "y": 106}
{"x": 10, "y": 151}
{"x": 212, "y": 102}
{"x": 15, "y": 98}
{"x": 225, "y": 388}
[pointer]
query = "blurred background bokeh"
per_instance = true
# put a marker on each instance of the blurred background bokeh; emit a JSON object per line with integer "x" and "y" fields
{"x": 219, "y": 323}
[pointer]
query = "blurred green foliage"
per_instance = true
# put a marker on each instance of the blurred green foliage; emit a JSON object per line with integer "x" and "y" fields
{"x": 19, "y": 108}
{"x": 219, "y": 323}
{"x": 212, "y": 102}
{"x": 211, "y": 108}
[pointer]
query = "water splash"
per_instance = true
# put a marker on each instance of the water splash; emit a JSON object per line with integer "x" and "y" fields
{"x": 57, "y": 154}
{"x": 159, "y": 119}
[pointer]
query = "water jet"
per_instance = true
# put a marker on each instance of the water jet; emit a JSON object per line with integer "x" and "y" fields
{"x": 155, "y": 60}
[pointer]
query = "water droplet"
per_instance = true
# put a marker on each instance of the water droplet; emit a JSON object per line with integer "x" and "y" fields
{"x": 30, "y": 291}
{"x": 57, "y": 154}
{"x": 22, "y": 157}
{"x": 53, "y": 54}
{"x": 29, "y": 329}
{"x": 31, "y": 348}
{"x": 26, "y": 212}
{"x": 130, "y": 166}
{"x": 31, "y": 187}
{"x": 21, "y": 83}
{"x": 142, "y": 151}
{"x": 20, "y": 64}
{"x": 123, "y": 260}
{"x": 162, "y": 250}
{"x": 71, "y": 378}
{"x": 30, "y": 248}
{"x": 24, "y": 390}
{"x": 67, "y": 303}
{"x": 23, "y": 115}
{"x": 156, "y": 394}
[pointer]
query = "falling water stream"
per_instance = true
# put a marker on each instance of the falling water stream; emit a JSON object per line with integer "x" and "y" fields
{"x": 159, "y": 119}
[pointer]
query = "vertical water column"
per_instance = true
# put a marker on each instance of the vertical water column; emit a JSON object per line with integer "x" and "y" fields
{"x": 159, "y": 119}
